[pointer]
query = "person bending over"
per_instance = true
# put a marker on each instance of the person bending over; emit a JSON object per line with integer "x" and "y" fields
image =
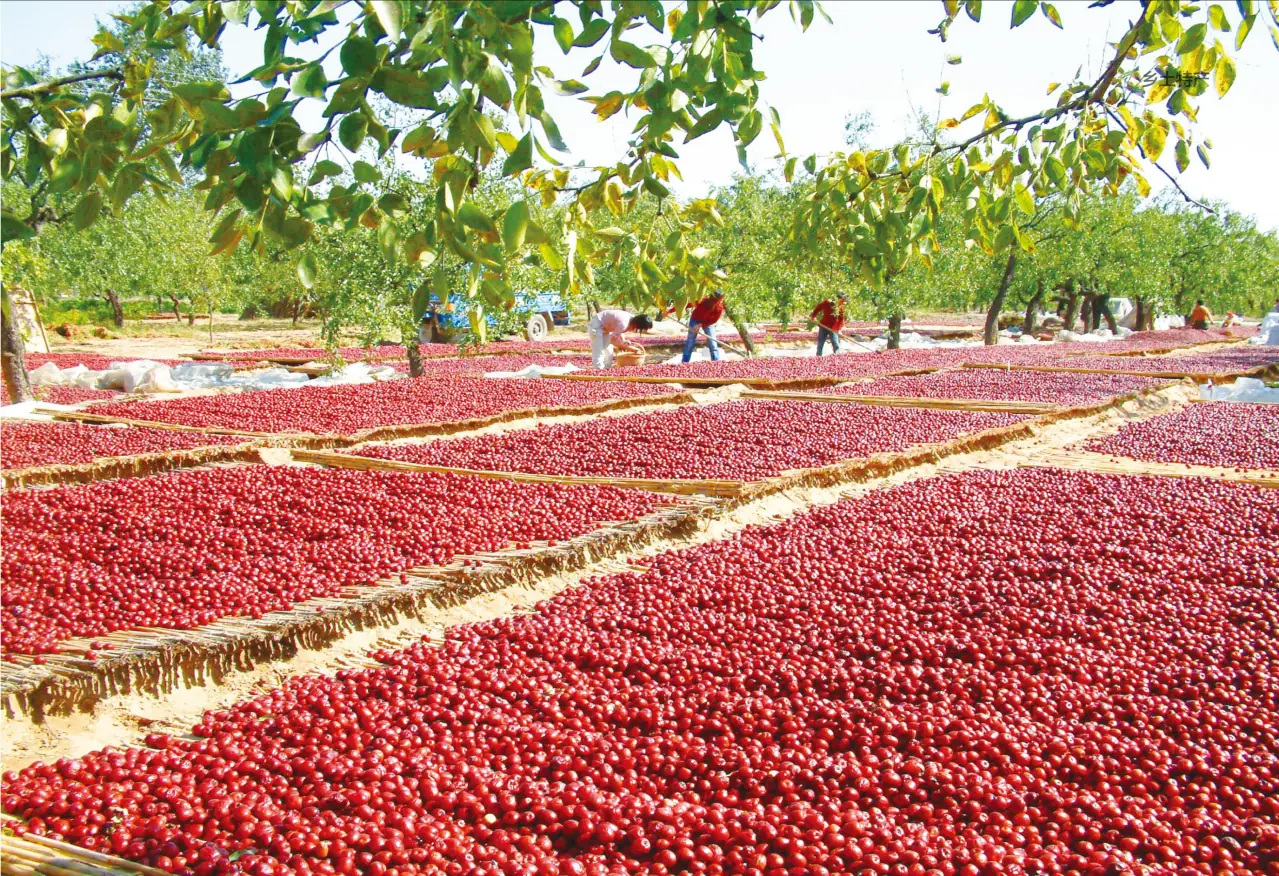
{"x": 829, "y": 317}
{"x": 607, "y": 331}
{"x": 705, "y": 314}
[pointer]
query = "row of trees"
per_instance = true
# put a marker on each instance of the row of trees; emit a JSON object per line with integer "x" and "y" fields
{"x": 429, "y": 79}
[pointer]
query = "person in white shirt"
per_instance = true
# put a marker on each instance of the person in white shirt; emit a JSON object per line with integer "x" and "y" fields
{"x": 607, "y": 330}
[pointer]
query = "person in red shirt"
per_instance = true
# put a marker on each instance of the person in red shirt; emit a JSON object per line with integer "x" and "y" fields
{"x": 829, "y": 317}
{"x": 703, "y": 318}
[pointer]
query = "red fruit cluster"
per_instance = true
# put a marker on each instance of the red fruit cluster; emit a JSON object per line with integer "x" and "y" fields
{"x": 845, "y": 366}
{"x": 184, "y": 550}
{"x": 61, "y": 395}
{"x": 741, "y": 440}
{"x": 1182, "y": 337}
{"x": 992, "y": 384}
{"x": 92, "y": 361}
{"x": 28, "y": 444}
{"x": 1228, "y": 434}
{"x": 348, "y": 409}
{"x": 1232, "y": 360}
{"x": 1033, "y": 672}
{"x": 350, "y": 354}
{"x": 479, "y": 365}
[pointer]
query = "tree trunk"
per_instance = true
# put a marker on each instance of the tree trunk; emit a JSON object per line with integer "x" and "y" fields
{"x": 1085, "y": 312}
{"x": 991, "y": 335}
{"x": 14, "y": 354}
{"x": 895, "y": 331}
{"x": 117, "y": 312}
{"x": 1102, "y": 308}
{"x": 1072, "y": 308}
{"x": 741, "y": 330}
{"x": 415, "y": 355}
{"x": 297, "y": 311}
{"x": 177, "y": 313}
{"x": 1032, "y": 310}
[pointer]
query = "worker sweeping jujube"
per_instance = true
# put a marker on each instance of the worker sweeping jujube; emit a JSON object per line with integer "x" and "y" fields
{"x": 1229, "y": 434}
{"x": 1030, "y": 671}
{"x": 183, "y": 550}
{"x": 29, "y": 444}
{"x": 350, "y": 408}
{"x": 742, "y": 440}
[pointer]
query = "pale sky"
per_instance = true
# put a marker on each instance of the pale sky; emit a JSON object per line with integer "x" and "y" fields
{"x": 876, "y": 57}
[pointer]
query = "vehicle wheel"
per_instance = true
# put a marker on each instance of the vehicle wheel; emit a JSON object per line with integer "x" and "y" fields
{"x": 536, "y": 328}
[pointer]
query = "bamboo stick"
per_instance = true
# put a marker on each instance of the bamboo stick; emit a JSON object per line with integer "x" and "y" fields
{"x": 86, "y": 854}
{"x": 1102, "y": 463}
{"x": 1198, "y": 377}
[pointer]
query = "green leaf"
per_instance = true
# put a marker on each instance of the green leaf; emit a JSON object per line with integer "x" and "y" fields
{"x": 563, "y": 34}
{"x": 954, "y": 60}
{"x": 631, "y": 55}
{"x": 591, "y": 34}
{"x": 1022, "y": 10}
{"x": 973, "y": 8}
{"x": 521, "y": 157}
{"x": 310, "y": 81}
{"x": 569, "y": 86}
{"x": 1050, "y": 12}
{"x": 405, "y": 88}
{"x": 1217, "y": 16}
{"x": 1025, "y": 200}
{"x": 1055, "y": 170}
{"x": 394, "y": 205}
{"x": 419, "y": 139}
{"x": 324, "y": 169}
{"x": 776, "y": 124}
{"x": 13, "y": 228}
{"x": 552, "y": 132}
{"x": 307, "y": 270}
{"x": 352, "y": 130}
{"x": 1192, "y": 39}
{"x": 388, "y": 15}
{"x": 421, "y": 301}
{"x": 1203, "y": 155}
{"x": 1245, "y": 27}
{"x": 473, "y": 216}
{"x": 358, "y": 55}
{"x": 515, "y": 226}
{"x": 65, "y": 174}
{"x": 365, "y": 172}
{"x": 1152, "y": 140}
{"x": 1224, "y": 75}
{"x": 1183, "y": 156}
{"x": 86, "y": 211}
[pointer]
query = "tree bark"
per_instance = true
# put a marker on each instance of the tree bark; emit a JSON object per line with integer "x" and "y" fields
{"x": 1032, "y": 310}
{"x": 1102, "y": 309}
{"x": 297, "y": 311}
{"x": 991, "y": 335}
{"x": 177, "y": 313}
{"x": 415, "y": 355}
{"x": 895, "y": 331}
{"x": 14, "y": 354}
{"x": 741, "y": 330}
{"x": 1072, "y": 307}
{"x": 1085, "y": 312}
{"x": 117, "y": 312}
{"x": 1140, "y": 318}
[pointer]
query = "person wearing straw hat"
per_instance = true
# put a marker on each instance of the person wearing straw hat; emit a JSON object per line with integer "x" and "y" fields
{"x": 829, "y": 317}
{"x": 607, "y": 330}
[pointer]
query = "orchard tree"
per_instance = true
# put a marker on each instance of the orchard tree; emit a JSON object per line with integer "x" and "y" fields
{"x": 94, "y": 138}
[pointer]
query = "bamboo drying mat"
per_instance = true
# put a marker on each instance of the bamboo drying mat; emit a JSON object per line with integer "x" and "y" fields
{"x": 941, "y": 404}
{"x": 139, "y": 465}
{"x": 85, "y": 417}
{"x": 32, "y": 855}
{"x": 1163, "y": 351}
{"x": 1198, "y": 377}
{"x": 1104, "y": 463}
{"x": 685, "y": 381}
{"x": 705, "y": 487}
{"x": 156, "y": 660}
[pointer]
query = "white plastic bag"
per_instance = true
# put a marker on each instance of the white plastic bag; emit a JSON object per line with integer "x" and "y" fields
{"x": 157, "y": 379}
{"x": 47, "y": 374}
{"x": 89, "y": 379}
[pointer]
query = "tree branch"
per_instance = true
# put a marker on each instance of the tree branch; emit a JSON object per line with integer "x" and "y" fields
{"x": 1159, "y": 168}
{"x": 41, "y": 88}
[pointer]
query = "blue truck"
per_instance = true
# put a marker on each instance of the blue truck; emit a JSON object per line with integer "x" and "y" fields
{"x": 542, "y": 311}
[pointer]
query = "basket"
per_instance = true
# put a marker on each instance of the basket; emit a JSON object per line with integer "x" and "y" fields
{"x": 626, "y": 360}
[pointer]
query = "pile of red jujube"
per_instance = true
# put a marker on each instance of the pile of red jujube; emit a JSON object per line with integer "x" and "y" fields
{"x": 1180, "y": 337}
{"x": 994, "y": 384}
{"x": 480, "y": 365}
{"x": 844, "y": 366}
{"x": 28, "y": 444}
{"x": 62, "y": 395}
{"x": 183, "y": 550}
{"x": 1231, "y": 434}
{"x": 92, "y": 361}
{"x": 1233, "y": 360}
{"x": 1030, "y": 671}
{"x": 742, "y": 440}
{"x": 351, "y": 354}
{"x": 350, "y": 408}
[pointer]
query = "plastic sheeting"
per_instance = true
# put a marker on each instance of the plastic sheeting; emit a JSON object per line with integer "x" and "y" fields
{"x": 1245, "y": 389}
{"x": 1269, "y": 332}
{"x": 533, "y": 371}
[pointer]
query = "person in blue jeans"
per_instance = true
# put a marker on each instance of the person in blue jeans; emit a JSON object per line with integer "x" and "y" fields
{"x": 829, "y": 317}
{"x": 703, "y": 318}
